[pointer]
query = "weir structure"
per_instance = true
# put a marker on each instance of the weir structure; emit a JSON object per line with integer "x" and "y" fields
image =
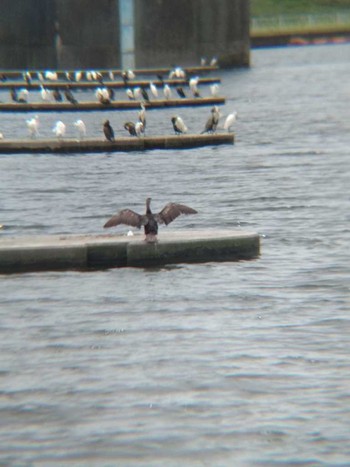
{"x": 90, "y": 34}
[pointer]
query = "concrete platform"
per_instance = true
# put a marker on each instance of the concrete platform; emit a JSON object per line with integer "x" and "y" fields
{"x": 114, "y": 105}
{"x": 61, "y": 74}
{"x": 83, "y": 252}
{"x": 8, "y": 84}
{"x": 121, "y": 144}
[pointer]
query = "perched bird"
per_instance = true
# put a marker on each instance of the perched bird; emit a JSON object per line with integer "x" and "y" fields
{"x": 142, "y": 116}
{"x": 144, "y": 94}
{"x": 139, "y": 129}
{"x": 69, "y": 96}
{"x": 57, "y": 95}
{"x": 51, "y": 75}
{"x": 108, "y": 131}
{"x": 153, "y": 89}
{"x": 59, "y": 129}
{"x": 127, "y": 75}
{"x": 214, "y": 89}
{"x": 149, "y": 220}
{"x": 214, "y": 61}
{"x": 167, "y": 91}
{"x": 230, "y": 120}
{"x": 27, "y": 77}
{"x": 177, "y": 73}
{"x": 102, "y": 95}
{"x": 212, "y": 122}
{"x": 22, "y": 95}
{"x": 45, "y": 94}
{"x": 178, "y": 125}
{"x": 130, "y": 127}
{"x": 33, "y": 126}
{"x": 181, "y": 92}
{"x": 1, "y": 137}
{"x": 193, "y": 84}
{"x": 110, "y": 93}
{"x": 78, "y": 75}
{"x": 81, "y": 129}
{"x": 130, "y": 94}
{"x": 13, "y": 94}
{"x": 138, "y": 93}
{"x": 203, "y": 61}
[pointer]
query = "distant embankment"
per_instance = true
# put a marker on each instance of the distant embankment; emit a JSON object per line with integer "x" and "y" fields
{"x": 299, "y": 29}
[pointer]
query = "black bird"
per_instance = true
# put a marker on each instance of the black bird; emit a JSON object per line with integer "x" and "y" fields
{"x": 130, "y": 127}
{"x": 144, "y": 94}
{"x": 69, "y": 96}
{"x": 111, "y": 93}
{"x": 3, "y": 77}
{"x": 149, "y": 220}
{"x": 181, "y": 92}
{"x": 14, "y": 95}
{"x": 108, "y": 131}
{"x": 212, "y": 122}
{"x": 57, "y": 95}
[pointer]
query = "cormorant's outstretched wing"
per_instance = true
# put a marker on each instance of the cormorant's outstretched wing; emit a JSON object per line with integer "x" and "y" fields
{"x": 171, "y": 211}
{"x": 128, "y": 217}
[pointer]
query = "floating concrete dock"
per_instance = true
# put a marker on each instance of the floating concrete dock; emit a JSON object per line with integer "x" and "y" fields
{"x": 121, "y": 144}
{"x": 83, "y": 252}
{"x": 62, "y": 74}
{"x": 95, "y": 84}
{"x": 114, "y": 105}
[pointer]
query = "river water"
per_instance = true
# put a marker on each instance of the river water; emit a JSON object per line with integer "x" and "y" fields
{"x": 215, "y": 364}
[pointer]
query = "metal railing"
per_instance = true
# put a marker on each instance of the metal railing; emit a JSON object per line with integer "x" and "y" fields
{"x": 283, "y": 22}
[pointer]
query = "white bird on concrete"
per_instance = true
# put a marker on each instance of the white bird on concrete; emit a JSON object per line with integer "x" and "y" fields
{"x": 130, "y": 94}
{"x": 139, "y": 129}
{"x": 33, "y": 126}
{"x": 81, "y": 128}
{"x": 167, "y": 91}
{"x": 138, "y": 93}
{"x": 153, "y": 89}
{"x": 59, "y": 129}
{"x": 177, "y": 73}
{"x": 22, "y": 95}
{"x": 230, "y": 120}
{"x": 51, "y": 75}
{"x": 213, "y": 61}
{"x": 78, "y": 75}
{"x": 142, "y": 116}
{"x": 45, "y": 94}
{"x": 214, "y": 89}
{"x": 103, "y": 96}
{"x": 1, "y": 137}
{"x": 193, "y": 84}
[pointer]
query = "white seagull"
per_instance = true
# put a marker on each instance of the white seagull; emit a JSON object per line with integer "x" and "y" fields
{"x": 167, "y": 91}
{"x": 153, "y": 89}
{"x": 59, "y": 129}
{"x": 33, "y": 126}
{"x": 230, "y": 120}
{"x": 81, "y": 128}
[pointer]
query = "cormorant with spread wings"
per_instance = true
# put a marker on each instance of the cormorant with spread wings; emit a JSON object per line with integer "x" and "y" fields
{"x": 149, "y": 220}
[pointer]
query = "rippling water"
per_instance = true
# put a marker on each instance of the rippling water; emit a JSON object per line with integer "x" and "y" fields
{"x": 243, "y": 364}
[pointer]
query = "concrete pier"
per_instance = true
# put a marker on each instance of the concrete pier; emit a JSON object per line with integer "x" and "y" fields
{"x": 83, "y": 252}
{"x": 36, "y": 85}
{"x": 114, "y": 105}
{"x": 121, "y": 144}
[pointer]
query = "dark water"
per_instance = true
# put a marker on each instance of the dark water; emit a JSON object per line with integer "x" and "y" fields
{"x": 243, "y": 364}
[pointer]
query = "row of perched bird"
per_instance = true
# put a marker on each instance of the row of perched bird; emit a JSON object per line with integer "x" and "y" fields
{"x": 176, "y": 72}
{"x": 135, "y": 129}
{"x": 105, "y": 94}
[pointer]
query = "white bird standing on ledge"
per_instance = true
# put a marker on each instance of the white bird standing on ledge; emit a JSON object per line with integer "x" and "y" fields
{"x": 33, "y": 126}
{"x": 81, "y": 128}
{"x": 230, "y": 120}
{"x": 59, "y": 129}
